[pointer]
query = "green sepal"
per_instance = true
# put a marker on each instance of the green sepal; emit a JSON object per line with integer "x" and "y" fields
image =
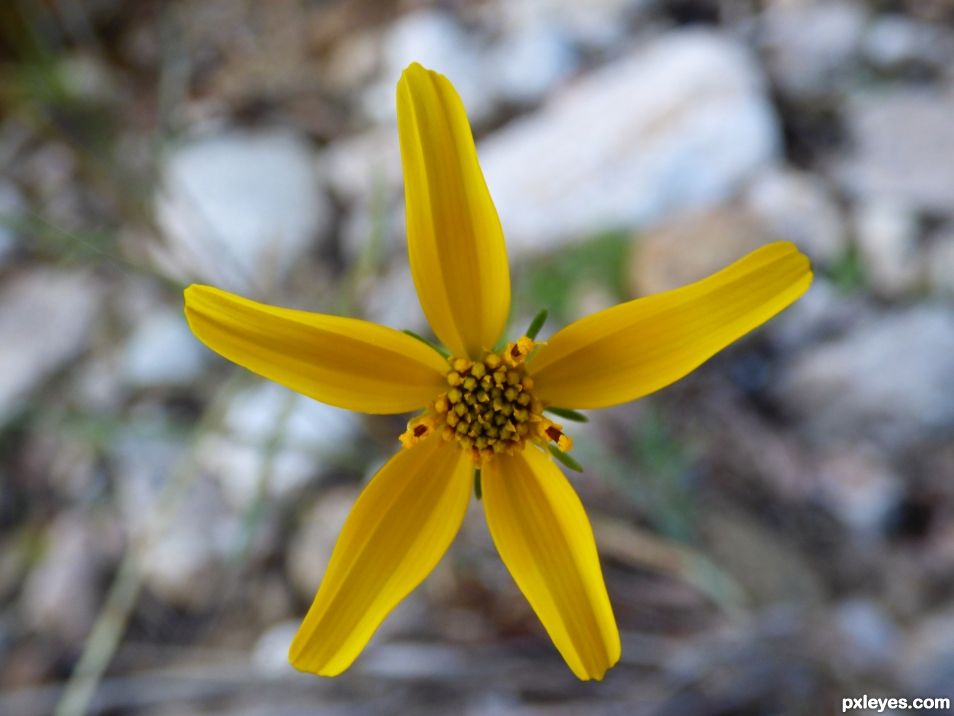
{"x": 568, "y": 414}
{"x": 477, "y": 489}
{"x": 565, "y": 459}
{"x": 423, "y": 340}
{"x": 536, "y": 324}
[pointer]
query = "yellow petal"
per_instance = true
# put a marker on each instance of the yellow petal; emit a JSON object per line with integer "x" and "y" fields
{"x": 455, "y": 243}
{"x": 635, "y": 348}
{"x": 396, "y": 533}
{"x": 345, "y": 362}
{"x": 543, "y": 536}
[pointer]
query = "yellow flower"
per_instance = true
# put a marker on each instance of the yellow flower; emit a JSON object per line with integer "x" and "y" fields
{"x": 479, "y": 408}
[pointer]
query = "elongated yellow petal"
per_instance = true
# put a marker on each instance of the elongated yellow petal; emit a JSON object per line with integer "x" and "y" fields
{"x": 543, "y": 536}
{"x": 396, "y": 533}
{"x": 454, "y": 239}
{"x": 345, "y": 362}
{"x": 635, "y": 348}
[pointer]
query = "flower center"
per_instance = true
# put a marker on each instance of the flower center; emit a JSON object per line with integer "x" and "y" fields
{"x": 488, "y": 407}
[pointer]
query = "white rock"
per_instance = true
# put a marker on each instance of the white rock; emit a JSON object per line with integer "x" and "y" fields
{"x": 45, "y": 320}
{"x": 433, "y": 38}
{"x": 528, "y": 63}
{"x": 674, "y": 127}
{"x": 887, "y": 238}
{"x": 359, "y": 165}
{"x": 240, "y": 208}
{"x": 185, "y": 561}
{"x": 365, "y": 173}
{"x": 596, "y": 24}
{"x": 184, "y": 547}
{"x": 810, "y": 46}
{"x": 144, "y": 462}
{"x": 887, "y": 381}
{"x": 270, "y": 653}
{"x": 162, "y": 352}
{"x": 902, "y": 149}
{"x": 307, "y": 433}
{"x": 392, "y": 299}
{"x": 869, "y": 636}
{"x": 895, "y": 41}
{"x": 796, "y": 206}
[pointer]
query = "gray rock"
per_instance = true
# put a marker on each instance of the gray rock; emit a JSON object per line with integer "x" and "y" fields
{"x": 11, "y": 207}
{"x": 797, "y": 206}
{"x": 902, "y": 149}
{"x": 410, "y": 662}
{"x": 353, "y": 61}
{"x": 143, "y": 461}
{"x": 162, "y": 352}
{"x": 887, "y": 239}
{"x": 811, "y": 47}
{"x": 927, "y": 656}
{"x": 671, "y": 128}
{"x": 240, "y": 208}
{"x": 887, "y": 380}
{"x": 822, "y": 313}
{"x": 46, "y": 316}
{"x": 309, "y": 551}
{"x": 939, "y": 262}
{"x": 306, "y": 434}
{"x": 60, "y": 596}
{"x": 857, "y": 484}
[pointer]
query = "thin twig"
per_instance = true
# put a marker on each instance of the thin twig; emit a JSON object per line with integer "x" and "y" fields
{"x": 114, "y": 615}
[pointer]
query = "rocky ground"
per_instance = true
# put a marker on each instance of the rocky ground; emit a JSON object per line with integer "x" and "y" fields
{"x": 777, "y": 530}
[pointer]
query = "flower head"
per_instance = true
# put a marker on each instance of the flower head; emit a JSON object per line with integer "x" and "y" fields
{"x": 479, "y": 408}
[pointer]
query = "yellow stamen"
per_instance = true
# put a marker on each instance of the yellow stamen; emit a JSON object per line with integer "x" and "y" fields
{"x": 489, "y": 408}
{"x": 418, "y": 429}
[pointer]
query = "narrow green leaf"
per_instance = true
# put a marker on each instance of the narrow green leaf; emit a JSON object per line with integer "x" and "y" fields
{"x": 536, "y": 324}
{"x": 422, "y": 339}
{"x": 568, "y": 414}
{"x": 565, "y": 459}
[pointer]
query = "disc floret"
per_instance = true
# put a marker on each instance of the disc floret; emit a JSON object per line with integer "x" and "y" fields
{"x": 488, "y": 407}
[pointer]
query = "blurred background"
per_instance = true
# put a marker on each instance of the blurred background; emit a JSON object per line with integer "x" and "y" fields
{"x": 777, "y": 529}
